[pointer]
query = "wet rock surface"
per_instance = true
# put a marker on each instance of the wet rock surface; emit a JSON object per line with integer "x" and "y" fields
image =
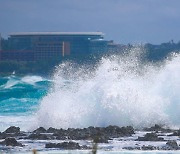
{"x": 10, "y": 142}
{"x": 175, "y": 133}
{"x": 172, "y": 145}
{"x": 40, "y": 130}
{"x": 158, "y": 128}
{"x": 150, "y": 137}
{"x": 38, "y": 136}
{"x": 12, "y": 132}
{"x": 64, "y": 145}
{"x": 71, "y": 138}
{"x": 103, "y": 133}
{"x": 12, "y": 129}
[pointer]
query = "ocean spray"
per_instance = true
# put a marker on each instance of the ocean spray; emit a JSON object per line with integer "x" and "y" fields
{"x": 120, "y": 90}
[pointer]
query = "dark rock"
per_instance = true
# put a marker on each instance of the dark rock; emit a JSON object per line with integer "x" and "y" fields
{"x": 85, "y": 147}
{"x": 40, "y": 130}
{"x": 173, "y": 145}
{"x": 12, "y": 129}
{"x": 150, "y": 137}
{"x": 91, "y": 132}
{"x": 10, "y": 142}
{"x": 149, "y": 147}
{"x": 154, "y": 128}
{"x": 132, "y": 148}
{"x": 4, "y": 135}
{"x": 127, "y": 131}
{"x": 64, "y": 145}
{"x": 39, "y": 137}
{"x": 100, "y": 139}
{"x": 104, "y": 134}
{"x": 175, "y": 133}
{"x": 115, "y": 131}
{"x": 59, "y": 137}
{"x": 158, "y": 128}
{"x": 52, "y": 130}
{"x": 51, "y": 145}
{"x": 60, "y": 134}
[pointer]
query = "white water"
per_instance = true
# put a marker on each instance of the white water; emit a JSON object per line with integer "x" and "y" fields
{"x": 121, "y": 91}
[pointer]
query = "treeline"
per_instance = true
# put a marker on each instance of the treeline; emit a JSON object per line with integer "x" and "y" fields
{"x": 26, "y": 67}
{"x": 153, "y": 53}
{"x": 160, "y": 52}
{"x": 44, "y": 67}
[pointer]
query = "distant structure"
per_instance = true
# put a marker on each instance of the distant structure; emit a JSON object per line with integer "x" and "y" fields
{"x": 38, "y": 46}
{"x": 0, "y": 43}
{"x": 0, "y": 46}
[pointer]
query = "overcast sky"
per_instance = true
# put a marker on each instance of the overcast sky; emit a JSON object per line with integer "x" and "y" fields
{"x": 124, "y": 21}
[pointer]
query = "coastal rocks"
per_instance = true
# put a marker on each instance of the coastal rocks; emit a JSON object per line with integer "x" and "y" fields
{"x": 40, "y": 130}
{"x": 72, "y": 138}
{"x": 52, "y": 130}
{"x": 12, "y": 132}
{"x": 12, "y": 129}
{"x": 157, "y": 128}
{"x": 104, "y": 134}
{"x": 4, "y": 135}
{"x": 100, "y": 139}
{"x": 150, "y": 137}
{"x": 149, "y": 147}
{"x": 10, "y": 142}
{"x": 144, "y": 147}
{"x": 175, "y": 133}
{"x": 132, "y": 148}
{"x": 172, "y": 145}
{"x": 64, "y": 145}
{"x": 39, "y": 136}
{"x": 115, "y": 131}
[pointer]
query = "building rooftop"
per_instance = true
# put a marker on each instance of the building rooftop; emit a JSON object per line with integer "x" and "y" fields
{"x": 56, "y": 33}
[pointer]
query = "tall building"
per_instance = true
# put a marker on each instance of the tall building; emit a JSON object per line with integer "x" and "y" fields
{"x": 34, "y": 46}
{"x": 0, "y": 43}
{"x": 39, "y": 46}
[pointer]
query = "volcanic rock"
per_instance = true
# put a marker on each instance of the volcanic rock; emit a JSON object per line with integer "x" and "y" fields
{"x": 10, "y": 142}
{"x": 176, "y": 133}
{"x": 12, "y": 129}
{"x": 40, "y": 130}
{"x": 64, "y": 145}
{"x": 157, "y": 128}
{"x": 52, "y": 130}
{"x": 91, "y": 132}
{"x": 100, "y": 139}
{"x": 115, "y": 131}
{"x": 4, "y": 135}
{"x": 148, "y": 147}
{"x": 132, "y": 148}
{"x": 150, "y": 137}
{"x": 172, "y": 145}
{"x": 37, "y": 136}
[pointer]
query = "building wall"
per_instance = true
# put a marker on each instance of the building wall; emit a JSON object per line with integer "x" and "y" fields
{"x": 45, "y": 47}
{"x": 47, "y": 50}
{"x": 17, "y": 55}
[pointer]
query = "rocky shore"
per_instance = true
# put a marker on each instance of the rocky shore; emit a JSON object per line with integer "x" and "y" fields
{"x": 84, "y": 139}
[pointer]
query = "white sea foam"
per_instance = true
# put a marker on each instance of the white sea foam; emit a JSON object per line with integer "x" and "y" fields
{"x": 10, "y": 83}
{"x": 121, "y": 91}
{"x": 21, "y": 121}
{"x": 32, "y": 79}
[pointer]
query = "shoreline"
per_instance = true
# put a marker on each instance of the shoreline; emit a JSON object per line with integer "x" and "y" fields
{"x": 111, "y": 139}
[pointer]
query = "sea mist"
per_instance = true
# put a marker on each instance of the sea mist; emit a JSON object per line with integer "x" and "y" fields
{"x": 121, "y": 90}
